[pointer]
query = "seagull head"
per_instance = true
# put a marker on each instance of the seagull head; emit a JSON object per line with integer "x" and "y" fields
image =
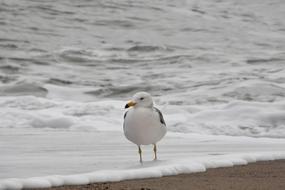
{"x": 140, "y": 99}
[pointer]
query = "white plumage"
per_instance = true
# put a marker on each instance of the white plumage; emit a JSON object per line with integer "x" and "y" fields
{"x": 143, "y": 123}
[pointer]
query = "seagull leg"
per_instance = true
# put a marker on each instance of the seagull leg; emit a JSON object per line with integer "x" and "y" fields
{"x": 155, "y": 150}
{"x": 140, "y": 152}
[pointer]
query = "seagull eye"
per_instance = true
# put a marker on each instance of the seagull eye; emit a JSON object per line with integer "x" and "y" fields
{"x": 141, "y": 98}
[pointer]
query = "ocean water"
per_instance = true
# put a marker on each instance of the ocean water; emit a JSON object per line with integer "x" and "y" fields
{"x": 67, "y": 68}
{"x": 215, "y": 67}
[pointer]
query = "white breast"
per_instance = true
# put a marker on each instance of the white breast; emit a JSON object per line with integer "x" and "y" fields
{"x": 142, "y": 126}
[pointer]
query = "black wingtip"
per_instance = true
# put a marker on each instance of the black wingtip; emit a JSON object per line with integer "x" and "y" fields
{"x": 127, "y": 106}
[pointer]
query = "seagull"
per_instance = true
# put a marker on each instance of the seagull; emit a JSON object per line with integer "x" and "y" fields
{"x": 143, "y": 123}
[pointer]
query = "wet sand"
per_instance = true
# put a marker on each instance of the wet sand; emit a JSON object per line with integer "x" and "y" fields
{"x": 267, "y": 175}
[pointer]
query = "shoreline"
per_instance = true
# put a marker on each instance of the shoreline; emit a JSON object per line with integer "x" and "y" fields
{"x": 261, "y": 175}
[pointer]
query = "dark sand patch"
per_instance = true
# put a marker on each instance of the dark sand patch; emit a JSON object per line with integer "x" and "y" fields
{"x": 267, "y": 175}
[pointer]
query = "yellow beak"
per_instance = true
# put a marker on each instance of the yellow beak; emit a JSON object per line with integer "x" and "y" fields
{"x": 130, "y": 104}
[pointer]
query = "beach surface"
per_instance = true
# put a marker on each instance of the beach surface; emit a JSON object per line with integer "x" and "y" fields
{"x": 264, "y": 175}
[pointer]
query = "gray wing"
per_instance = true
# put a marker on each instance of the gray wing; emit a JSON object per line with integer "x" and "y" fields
{"x": 160, "y": 116}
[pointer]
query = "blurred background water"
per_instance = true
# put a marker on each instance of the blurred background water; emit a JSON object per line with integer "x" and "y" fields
{"x": 214, "y": 67}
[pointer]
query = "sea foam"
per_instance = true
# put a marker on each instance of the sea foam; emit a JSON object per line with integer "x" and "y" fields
{"x": 185, "y": 166}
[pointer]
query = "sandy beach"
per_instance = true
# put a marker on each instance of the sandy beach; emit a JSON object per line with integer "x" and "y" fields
{"x": 266, "y": 175}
